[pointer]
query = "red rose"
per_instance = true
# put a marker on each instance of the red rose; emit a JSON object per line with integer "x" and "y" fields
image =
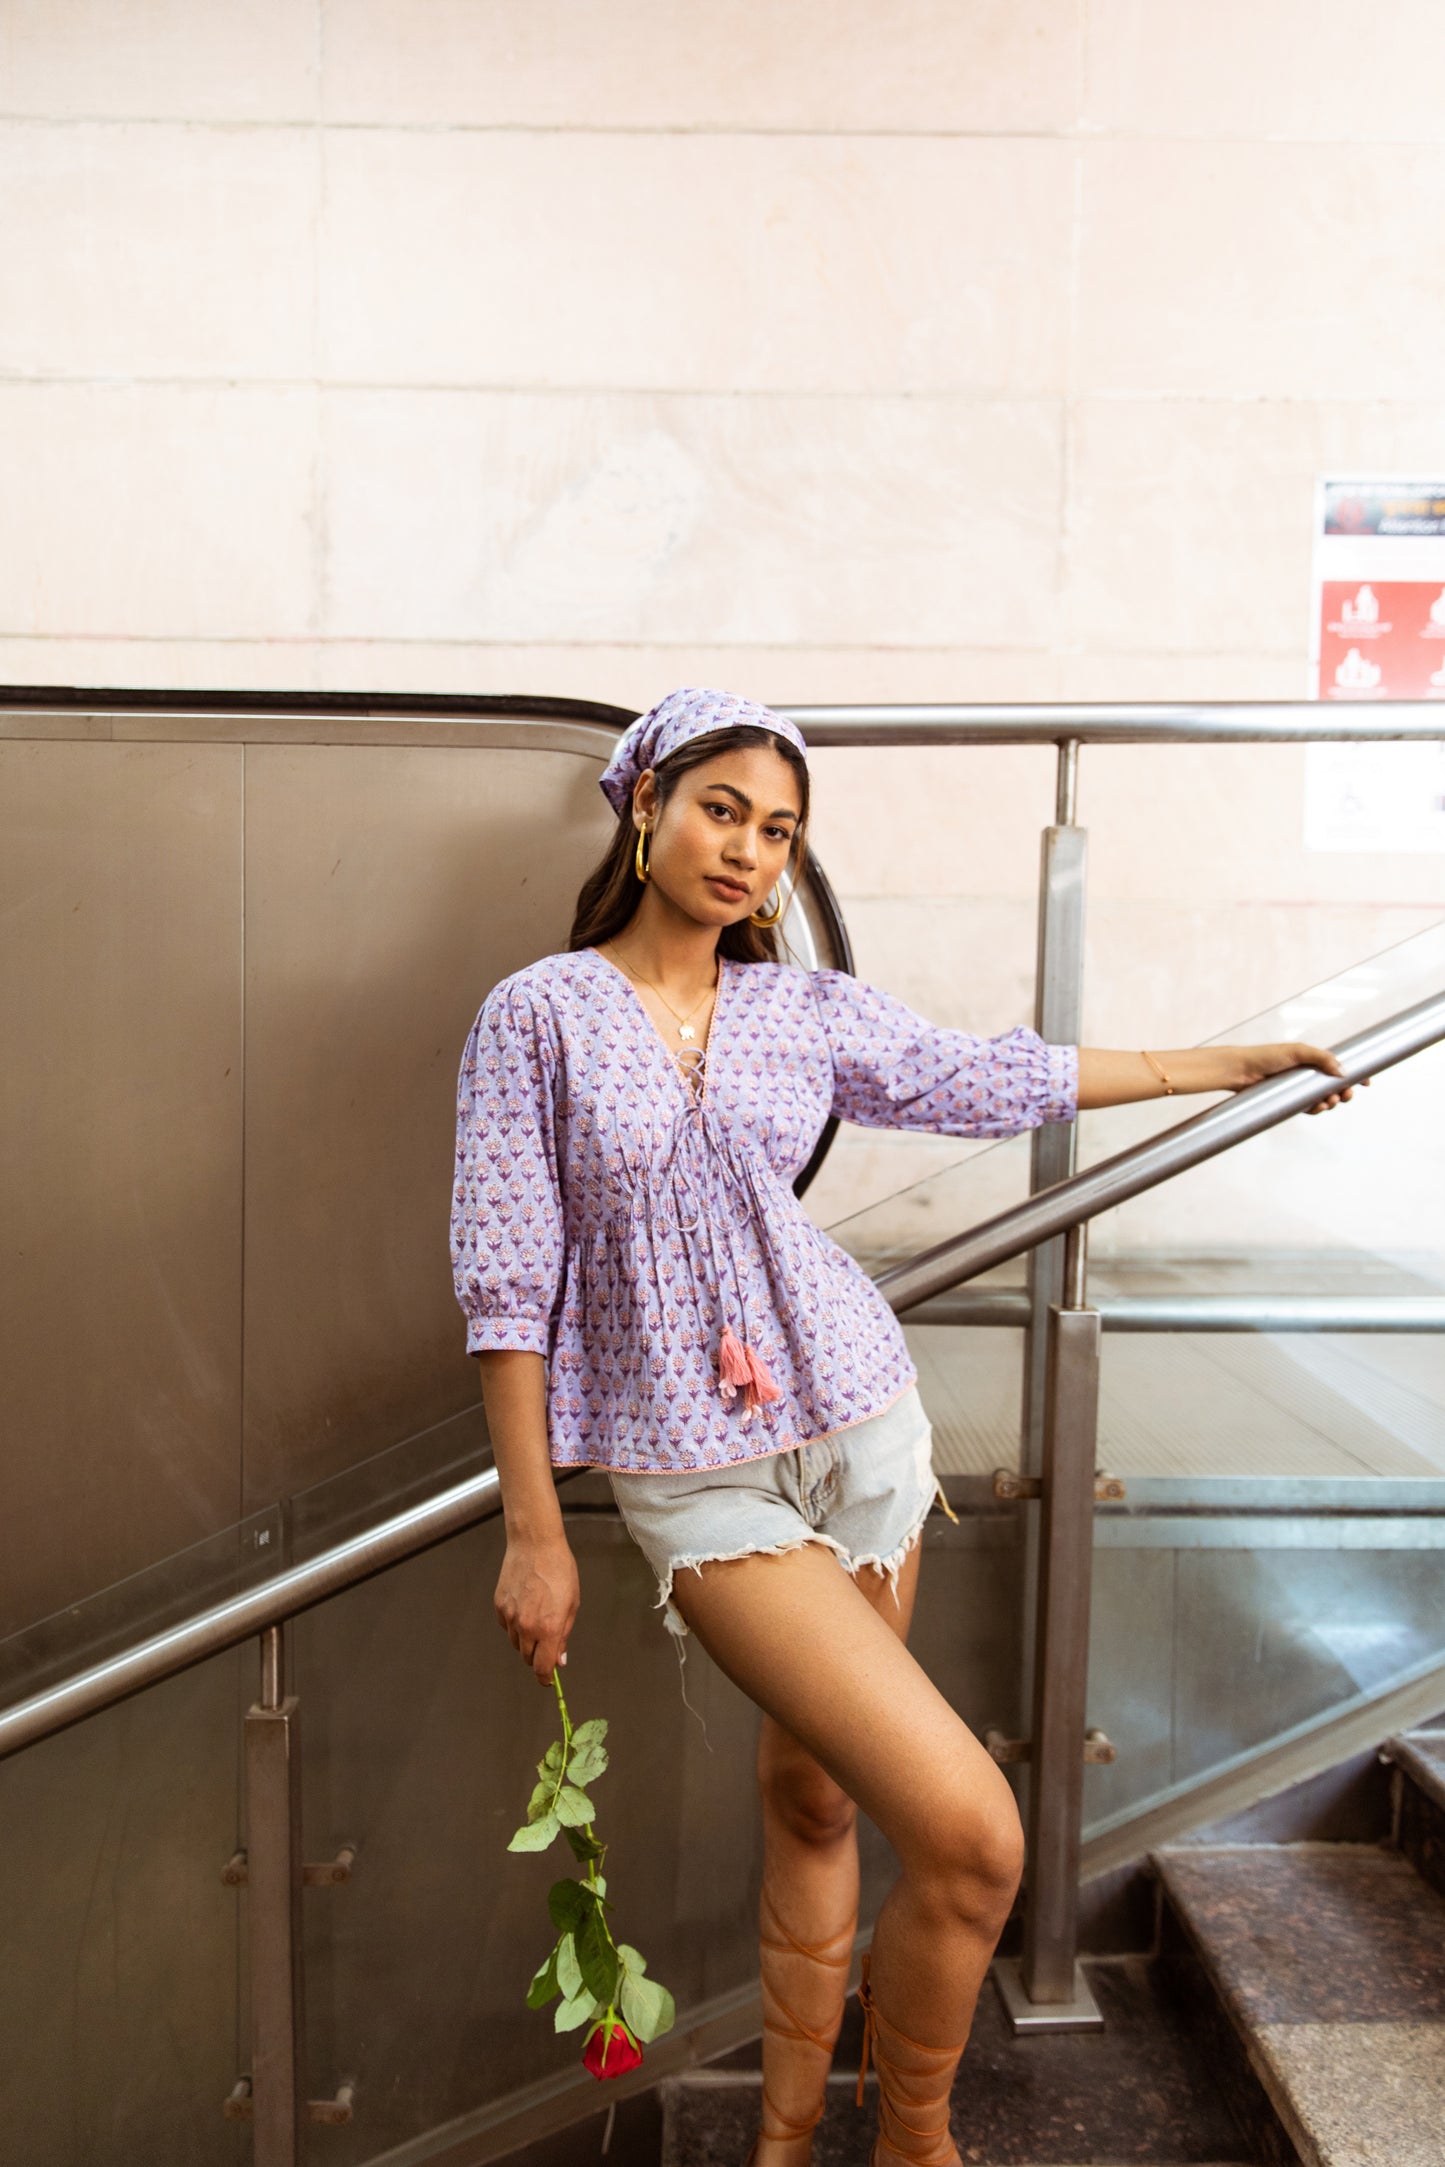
{"x": 614, "y": 2055}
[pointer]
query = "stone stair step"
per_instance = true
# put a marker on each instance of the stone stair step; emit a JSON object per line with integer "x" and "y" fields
{"x": 1329, "y": 1960}
{"x": 1419, "y": 1755}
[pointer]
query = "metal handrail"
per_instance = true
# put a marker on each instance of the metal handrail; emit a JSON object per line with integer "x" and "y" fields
{"x": 1143, "y": 1166}
{"x": 1113, "y": 1181}
{"x": 1231, "y": 722}
{"x": 408, "y": 716}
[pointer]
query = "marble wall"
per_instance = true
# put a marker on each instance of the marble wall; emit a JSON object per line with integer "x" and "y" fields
{"x": 978, "y": 349}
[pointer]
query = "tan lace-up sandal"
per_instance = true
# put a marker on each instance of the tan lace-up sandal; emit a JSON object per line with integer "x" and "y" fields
{"x": 784, "y": 2131}
{"x": 927, "y": 2072}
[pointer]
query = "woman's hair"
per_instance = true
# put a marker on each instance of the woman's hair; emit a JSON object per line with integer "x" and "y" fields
{"x": 611, "y": 892}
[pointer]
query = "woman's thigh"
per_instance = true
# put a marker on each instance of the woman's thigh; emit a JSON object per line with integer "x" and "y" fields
{"x": 830, "y": 1667}
{"x": 783, "y": 1762}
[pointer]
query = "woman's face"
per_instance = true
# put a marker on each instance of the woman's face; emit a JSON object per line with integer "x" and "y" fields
{"x": 721, "y": 843}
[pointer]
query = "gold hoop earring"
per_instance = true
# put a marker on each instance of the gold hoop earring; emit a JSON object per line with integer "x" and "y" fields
{"x": 641, "y": 863}
{"x": 762, "y": 918}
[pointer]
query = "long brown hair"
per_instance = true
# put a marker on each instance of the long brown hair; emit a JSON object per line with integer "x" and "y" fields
{"x": 608, "y": 898}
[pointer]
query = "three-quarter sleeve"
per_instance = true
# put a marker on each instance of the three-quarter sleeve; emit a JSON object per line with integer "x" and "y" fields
{"x": 894, "y": 1070}
{"x": 507, "y": 1240}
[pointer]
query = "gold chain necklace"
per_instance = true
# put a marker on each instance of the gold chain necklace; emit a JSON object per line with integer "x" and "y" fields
{"x": 684, "y": 1023}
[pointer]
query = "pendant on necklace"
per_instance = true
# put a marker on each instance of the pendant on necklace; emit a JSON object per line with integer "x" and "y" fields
{"x": 685, "y": 1030}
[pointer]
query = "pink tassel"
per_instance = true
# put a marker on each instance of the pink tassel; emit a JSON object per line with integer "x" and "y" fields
{"x": 732, "y": 1364}
{"x": 760, "y": 1384}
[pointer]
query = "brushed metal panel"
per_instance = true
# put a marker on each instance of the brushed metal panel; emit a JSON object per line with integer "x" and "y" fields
{"x": 118, "y": 1944}
{"x": 387, "y": 891}
{"x": 120, "y": 1160}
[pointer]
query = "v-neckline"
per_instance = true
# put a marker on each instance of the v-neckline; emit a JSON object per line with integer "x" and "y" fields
{"x": 693, "y": 1099}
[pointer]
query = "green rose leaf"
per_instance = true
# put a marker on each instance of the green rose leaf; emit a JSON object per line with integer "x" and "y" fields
{"x": 592, "y": 1732}
{"x": 572, "y": 2013}
{"x": 535, "y": 1835}
{"x": 567, "y": 1905}
{"x": 584, "y": 1847}
{"x": 597, "y": 1958}
{"x": 540, "y": 1801}
{"x": 633, "y": 1959}
{"x": 545, "y": 1983}
{"x": 586, "y": 1767}
{"x": 551, "y": 1760}
{"x": 569, "y": 1971}
{"x": 573, "y": 1807}
{"x": 646, "y": 2006}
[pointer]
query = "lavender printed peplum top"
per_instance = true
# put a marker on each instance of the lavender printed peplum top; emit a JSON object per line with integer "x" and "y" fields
{"x": 649, "y": 1244}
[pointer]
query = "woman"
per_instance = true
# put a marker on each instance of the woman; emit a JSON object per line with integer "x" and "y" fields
{"x": 631, "y": 1115}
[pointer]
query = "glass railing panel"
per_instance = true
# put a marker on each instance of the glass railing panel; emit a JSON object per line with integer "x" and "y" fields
{"x": 242, "y": 1556}
{"x": 1335, "y": 1202}
{"x": 1217, "y": 1634}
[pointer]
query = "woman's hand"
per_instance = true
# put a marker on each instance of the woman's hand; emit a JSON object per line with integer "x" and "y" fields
{"x": 1262, "y": 1061}
{"x": 537, "y": 1597}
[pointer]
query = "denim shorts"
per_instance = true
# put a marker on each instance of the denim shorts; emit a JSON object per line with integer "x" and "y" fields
{"x": 864, "y": 1492}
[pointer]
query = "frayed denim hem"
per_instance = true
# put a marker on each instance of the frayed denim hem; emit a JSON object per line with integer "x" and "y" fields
{"x": 892, "y": 1565}
{"x": 672, "y": 1616}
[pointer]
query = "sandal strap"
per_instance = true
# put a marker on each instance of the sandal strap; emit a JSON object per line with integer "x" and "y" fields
{"x": 872, "y": 2018}
{"x": 799, "y": 2030}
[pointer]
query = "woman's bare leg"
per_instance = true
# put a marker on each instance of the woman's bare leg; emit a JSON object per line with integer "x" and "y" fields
{"x": 810, "y": 1869}
{"x": 804, "y": 1642}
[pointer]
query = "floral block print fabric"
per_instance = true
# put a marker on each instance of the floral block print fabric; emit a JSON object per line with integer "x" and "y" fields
{"x": 604, "y": 1217}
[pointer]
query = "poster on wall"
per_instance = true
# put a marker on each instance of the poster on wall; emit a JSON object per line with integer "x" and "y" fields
{"x": 1378, "y": 633}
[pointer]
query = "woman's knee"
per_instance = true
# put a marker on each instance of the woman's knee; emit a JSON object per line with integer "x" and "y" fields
{"x": 802, "y": 1795}
{"x": 972, "y": 1851}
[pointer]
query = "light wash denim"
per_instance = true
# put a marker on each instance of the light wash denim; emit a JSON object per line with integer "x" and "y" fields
{"x": 864, "y": 1492}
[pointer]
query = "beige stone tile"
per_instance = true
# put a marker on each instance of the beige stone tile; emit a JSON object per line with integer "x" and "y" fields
{"x": 995, "y": 66}
{"x": 1190, "y": 520}
{"x": 161, "y": 665}
{"x": 1260, "y": 270}
{"x": 912, "y": 822}
{"x": 636, "y": 676}
{"x": 1224, "y": 825}
{"x": 691, "y": 263}
{"x": 1331, "y": 69}
{"x": 1170, "y": 678}
{"x": 165, "y": 59}
{"x": 715, "y": 521}
{"x": 157, "y": 251}
{"x": 963, "y": 961}
{"x": 178, "y": 511}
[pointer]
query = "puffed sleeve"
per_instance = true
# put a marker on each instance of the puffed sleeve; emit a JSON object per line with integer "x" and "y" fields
{"x": 506, "y": 1222}
{"x": 893, "y": 1070}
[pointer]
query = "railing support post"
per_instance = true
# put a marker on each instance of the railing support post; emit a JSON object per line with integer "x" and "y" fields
{"x": 273, "y": 1874}
{"x": 1058, "y": 1017}
{"x": 1046, "y": 1990}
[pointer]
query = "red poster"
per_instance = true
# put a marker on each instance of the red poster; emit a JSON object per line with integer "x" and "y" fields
{"x": 1382, "y": 639}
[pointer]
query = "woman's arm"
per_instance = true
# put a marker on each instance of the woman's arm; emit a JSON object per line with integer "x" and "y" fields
{"x": 1107, "y": 1078}
{"x": 537, "y": 1593}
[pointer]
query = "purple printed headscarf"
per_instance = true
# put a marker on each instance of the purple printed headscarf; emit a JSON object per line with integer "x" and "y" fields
{"x": 690, "y": 712}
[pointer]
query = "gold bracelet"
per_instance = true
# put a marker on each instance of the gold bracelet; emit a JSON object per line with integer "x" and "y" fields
{"x": 1168, "y": 1086}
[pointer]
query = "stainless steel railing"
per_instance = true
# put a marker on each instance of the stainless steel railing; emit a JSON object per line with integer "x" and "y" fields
{"x": 1061, "y": 1368}
{"x": 403, "y": 1535}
